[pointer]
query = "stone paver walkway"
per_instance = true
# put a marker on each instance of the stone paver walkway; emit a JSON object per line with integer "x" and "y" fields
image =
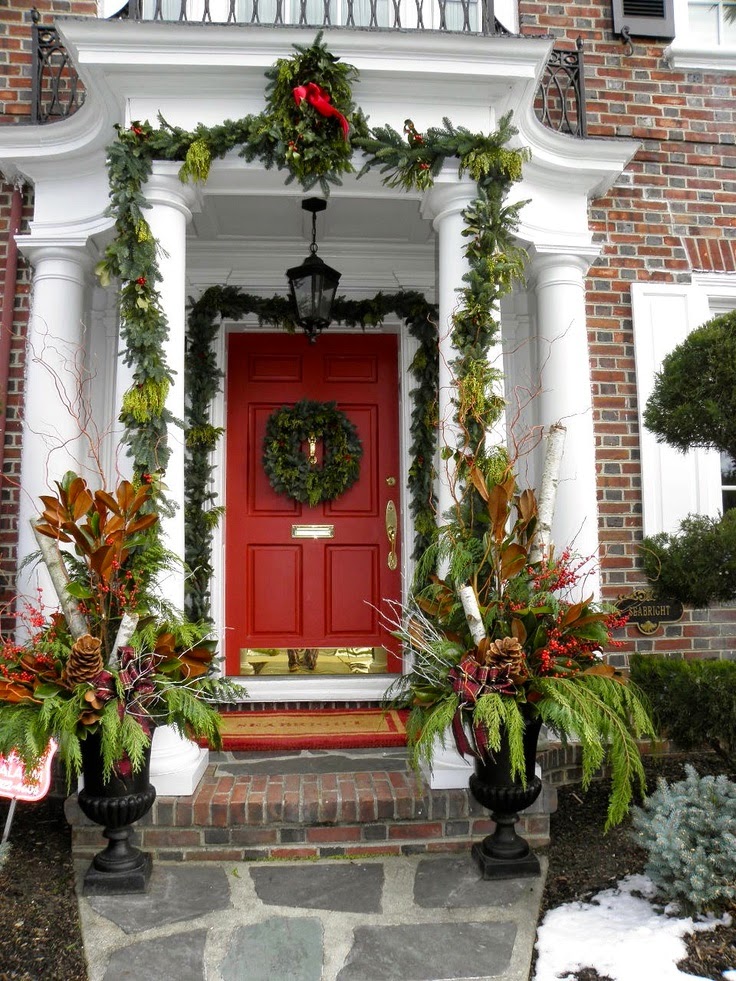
{"x": 399, "y": 918}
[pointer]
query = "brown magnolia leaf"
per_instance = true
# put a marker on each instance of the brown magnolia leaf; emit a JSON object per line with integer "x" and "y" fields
{"x": 108, "y": 500}
{"x": 82, "y": 540}
{"x": 145, "y": 521}
{"x": 51, "y": 532}
{"x": 52, "y": 504}
{"x": 498, "y": 511}
{"x": 606, "y": 671}
{"x": 478, "y": 481}
{"x": 114, "y": 526}
{"x": 142, "y": 495}
{"x": 518, "y": 630}
{"x": 165, "y": 644}
{"x": 513, "y": 559}
{"x": 527, "y": 505}
{"x": 99, "y": 557}
{"x": 126, "y": 495}
{"x": 571, "y": 614}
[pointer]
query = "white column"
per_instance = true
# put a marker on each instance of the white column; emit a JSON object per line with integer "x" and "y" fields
{"x": 55, "y": 367}
{"x": 565, "y": 396}
{"x": 445, "y": 204}
{"x": 177, "y": 764}
{"x": 171, "y": 210}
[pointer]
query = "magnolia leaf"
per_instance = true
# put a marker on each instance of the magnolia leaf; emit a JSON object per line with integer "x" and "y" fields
{"x": 478, "y": 481}
{"x": 79, "y": 590}
{"x": 571, "y": 614}
{"x": 102, "y": 272}
{"x": 108, "y": 500}
{"x": 52, "y": 532}
{"x": 145, "y": 521}
{"x": 518, "y": 630}
{"x": 498, "y": 510}
{"x": 513, "y": 559}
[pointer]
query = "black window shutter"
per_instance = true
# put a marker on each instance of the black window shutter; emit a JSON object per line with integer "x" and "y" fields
{"x": 647, "y": 18}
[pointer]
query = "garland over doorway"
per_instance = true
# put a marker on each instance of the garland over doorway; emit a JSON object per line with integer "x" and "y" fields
{"x": 203, "y": 383}
{"x": 310, "y": 128}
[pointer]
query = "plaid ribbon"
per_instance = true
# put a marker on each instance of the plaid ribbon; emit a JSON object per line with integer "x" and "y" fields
{"x": 470, "y": 680}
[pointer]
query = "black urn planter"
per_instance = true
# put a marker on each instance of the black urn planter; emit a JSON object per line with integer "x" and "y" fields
{"x": 504, "y": 854}
{"x": 117, "y": 804}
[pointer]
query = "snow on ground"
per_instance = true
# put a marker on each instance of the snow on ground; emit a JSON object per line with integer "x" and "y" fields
{"x": 620, "y": 934}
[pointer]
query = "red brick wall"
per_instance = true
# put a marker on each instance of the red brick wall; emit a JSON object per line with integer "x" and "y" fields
{"x": 672, "y": 212}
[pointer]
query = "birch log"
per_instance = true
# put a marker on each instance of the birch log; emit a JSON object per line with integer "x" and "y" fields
{"x": 472, "y": 613}
{"x": 128, "y": 623}
{"x": 54, "y": 562}
{"x": 548, "y": 490}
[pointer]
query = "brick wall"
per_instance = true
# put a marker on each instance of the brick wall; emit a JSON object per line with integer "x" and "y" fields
{"x": 671, "y": 213}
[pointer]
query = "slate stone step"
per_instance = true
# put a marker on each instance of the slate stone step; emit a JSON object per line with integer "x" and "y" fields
{"x": 396, "y": 919}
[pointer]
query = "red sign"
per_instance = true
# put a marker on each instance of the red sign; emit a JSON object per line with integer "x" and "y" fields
{"x": 15, "y": 784}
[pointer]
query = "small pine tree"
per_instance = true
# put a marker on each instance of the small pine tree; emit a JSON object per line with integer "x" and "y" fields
{"x": 689, "y": 831}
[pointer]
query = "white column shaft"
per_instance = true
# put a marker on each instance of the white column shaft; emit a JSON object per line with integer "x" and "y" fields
{"x": 54, "y": 414}
{"x": 445, "y": 204}
{"x": 562, "y": 357}
{"x": 168, "y": 217}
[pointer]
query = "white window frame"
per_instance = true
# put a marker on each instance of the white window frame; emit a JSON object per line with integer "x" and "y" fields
{"x": 687, "y": 53}
{"x": 674, "y": 484}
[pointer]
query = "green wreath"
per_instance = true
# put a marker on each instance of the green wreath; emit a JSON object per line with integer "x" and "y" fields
{"x": 290, "y": 470}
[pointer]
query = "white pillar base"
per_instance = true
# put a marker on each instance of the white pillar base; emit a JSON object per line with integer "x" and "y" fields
{"x": 177, "y": 764}
{"x": 450, "y": 770}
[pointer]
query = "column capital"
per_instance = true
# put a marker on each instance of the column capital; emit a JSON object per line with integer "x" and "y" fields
{"x": 164, "y": 188}
{"x": 549, "y": 265}
{"x": 67, "y": 254}
{"x": 450, "y": 195}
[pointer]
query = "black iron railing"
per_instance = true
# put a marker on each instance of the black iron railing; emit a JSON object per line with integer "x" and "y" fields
{"x": 471, "y": 16}
{"x": 55, "y": 88}
{"x": 560, "y": 103}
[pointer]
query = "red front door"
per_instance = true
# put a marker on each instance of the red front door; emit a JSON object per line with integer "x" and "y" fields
{"x": 284, "y": 591}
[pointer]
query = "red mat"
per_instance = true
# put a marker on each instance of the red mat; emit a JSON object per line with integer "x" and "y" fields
{"x": 313, "y": 729}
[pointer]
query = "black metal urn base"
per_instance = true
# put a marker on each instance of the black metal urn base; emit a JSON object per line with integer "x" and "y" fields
{"x": 117, "y": 804}
{"x": 504, "y": 854}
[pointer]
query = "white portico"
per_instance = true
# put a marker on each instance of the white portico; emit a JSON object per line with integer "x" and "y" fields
{"x": 245, "y": 227}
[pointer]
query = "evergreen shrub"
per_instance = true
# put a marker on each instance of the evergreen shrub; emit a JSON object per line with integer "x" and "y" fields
{"x": 689, "y": 831}
{"x": 697, "y": 564}
{"x": 693, "y": 702}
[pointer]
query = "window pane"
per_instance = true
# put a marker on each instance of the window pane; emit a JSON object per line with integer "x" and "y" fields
{"x": 729, "y": 500}
{"x": 704, "y": 21}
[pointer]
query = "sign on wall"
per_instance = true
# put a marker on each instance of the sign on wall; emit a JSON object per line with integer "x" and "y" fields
{"x": 649, "y": 613}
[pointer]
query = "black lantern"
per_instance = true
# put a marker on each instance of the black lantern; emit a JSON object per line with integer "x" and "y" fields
{"x": 313, "y": 284}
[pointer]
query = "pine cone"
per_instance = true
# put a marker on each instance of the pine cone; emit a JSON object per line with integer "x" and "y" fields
{"x": 508, "y": 655}
{"x": 85, "y": 661}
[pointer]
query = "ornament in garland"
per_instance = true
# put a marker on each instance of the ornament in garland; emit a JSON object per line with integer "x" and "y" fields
{"x": 299, "y": 475}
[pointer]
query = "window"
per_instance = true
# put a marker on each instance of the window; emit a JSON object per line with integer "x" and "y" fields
{"x": 728, "y": 482}
{"x": 712, "y": 21}
{"x": 705, "y": 35}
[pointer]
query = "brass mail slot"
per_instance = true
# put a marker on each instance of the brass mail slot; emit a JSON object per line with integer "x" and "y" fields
{"x": 312, "y": 531}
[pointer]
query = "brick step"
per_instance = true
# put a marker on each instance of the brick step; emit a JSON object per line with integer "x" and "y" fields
{"x": 249, "y": 806}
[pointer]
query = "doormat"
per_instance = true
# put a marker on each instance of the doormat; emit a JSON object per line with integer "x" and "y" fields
{"x": 275, "y": 729}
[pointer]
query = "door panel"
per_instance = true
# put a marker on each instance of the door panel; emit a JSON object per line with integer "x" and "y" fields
{"x": 322, "y": 593}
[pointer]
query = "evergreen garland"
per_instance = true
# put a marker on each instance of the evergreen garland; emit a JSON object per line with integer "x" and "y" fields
{"x": 292, "y": 473}
{"x": 203, "y": 383}
{"x": 306, "y": 136}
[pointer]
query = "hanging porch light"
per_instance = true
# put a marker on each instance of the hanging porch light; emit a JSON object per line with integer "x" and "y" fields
{"x": 313, "y": 284}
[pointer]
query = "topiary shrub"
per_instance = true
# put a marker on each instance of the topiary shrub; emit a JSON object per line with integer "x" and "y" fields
{"x": 693, "y": 702}
{"x": 693, "y": 402}
{"x": 697, "y": 564}
{"x": 689, "y": 832}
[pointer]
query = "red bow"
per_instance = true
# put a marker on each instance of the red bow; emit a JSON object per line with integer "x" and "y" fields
{"x": 320, "y": 99}
{"x": 470, "y": 681}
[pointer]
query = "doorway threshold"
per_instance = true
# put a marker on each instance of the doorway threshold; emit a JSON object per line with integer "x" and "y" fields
{"x": 328, "y": 688}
